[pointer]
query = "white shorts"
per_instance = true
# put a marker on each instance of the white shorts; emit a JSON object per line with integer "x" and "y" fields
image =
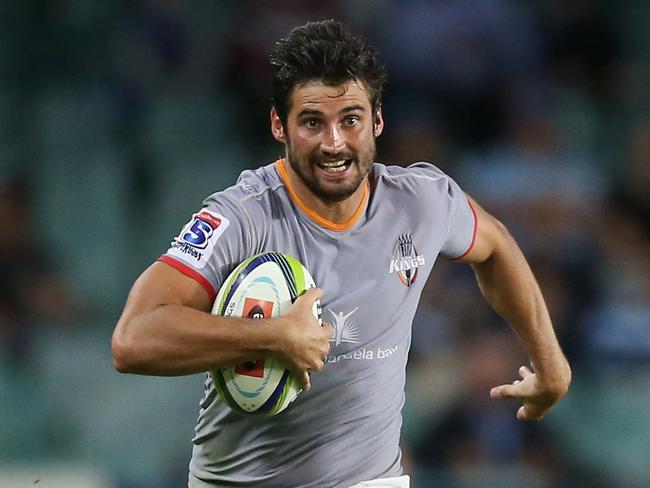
{"x": 397, "y": 482}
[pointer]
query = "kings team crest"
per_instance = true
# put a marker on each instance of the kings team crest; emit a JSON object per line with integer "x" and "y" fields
{"x": 406, "y": 260}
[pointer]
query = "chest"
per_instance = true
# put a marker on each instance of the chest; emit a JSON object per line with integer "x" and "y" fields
{"x": 372, "y": 276}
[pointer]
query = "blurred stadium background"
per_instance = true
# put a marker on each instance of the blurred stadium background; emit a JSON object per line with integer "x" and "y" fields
{"x": 118, "y": 117}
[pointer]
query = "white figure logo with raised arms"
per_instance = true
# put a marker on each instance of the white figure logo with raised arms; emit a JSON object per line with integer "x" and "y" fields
{"x": 344, "y": 330}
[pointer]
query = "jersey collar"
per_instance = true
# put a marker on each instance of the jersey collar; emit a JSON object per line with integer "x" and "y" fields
{"x": 313, "y": 215}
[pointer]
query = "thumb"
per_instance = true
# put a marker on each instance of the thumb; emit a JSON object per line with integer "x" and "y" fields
{"x": 310, "y": 295}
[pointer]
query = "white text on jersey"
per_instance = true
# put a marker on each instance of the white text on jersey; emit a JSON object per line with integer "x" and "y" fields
{"x": 404, "y": 264}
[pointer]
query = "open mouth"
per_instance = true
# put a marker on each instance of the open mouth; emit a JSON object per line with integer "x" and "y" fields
{"x": 335, "y": 167}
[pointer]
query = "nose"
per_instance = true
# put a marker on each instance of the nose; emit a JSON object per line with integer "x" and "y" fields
{"x": 333, "y": 141}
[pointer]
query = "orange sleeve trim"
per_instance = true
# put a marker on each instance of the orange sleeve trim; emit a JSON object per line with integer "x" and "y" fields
{"x": 471, "y": 244}
{"x": 187, "y": 271}
{"x": 328, "y": 224}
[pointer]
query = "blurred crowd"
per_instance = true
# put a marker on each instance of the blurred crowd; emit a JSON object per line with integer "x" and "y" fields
{"x": 119, "y": 117}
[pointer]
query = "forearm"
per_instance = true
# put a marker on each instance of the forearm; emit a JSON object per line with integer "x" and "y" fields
{"x": 510, "y": 288}
{"x": 173, "y": 339}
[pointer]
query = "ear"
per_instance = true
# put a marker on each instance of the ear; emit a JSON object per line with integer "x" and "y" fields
{"x": 378, "y": 122}
{"x": 277, "y": 129}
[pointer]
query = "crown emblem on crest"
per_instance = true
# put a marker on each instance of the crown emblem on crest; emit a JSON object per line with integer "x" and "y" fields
{"x": 406, "y": 260}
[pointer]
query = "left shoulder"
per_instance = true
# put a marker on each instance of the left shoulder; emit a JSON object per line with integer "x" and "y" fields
{"x": 417, "y": 176}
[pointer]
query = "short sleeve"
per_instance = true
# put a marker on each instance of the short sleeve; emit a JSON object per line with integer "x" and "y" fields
{"x": 461, "y": 223}
{"x": 443, "y": 205}
{"x": 211, "y": 244}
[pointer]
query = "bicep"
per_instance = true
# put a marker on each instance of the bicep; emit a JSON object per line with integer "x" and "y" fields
{"x": 490, "y": 234}
{"x": 161, "y": 284}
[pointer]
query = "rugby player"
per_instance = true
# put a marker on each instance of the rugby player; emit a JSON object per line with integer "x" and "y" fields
{"x": 369, "y": 234}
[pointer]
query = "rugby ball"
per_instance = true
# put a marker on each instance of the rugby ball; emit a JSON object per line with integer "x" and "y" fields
{"x": 262, "y": 287}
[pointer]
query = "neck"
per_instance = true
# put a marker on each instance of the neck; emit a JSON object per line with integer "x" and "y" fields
{"x": 339, "y": 213}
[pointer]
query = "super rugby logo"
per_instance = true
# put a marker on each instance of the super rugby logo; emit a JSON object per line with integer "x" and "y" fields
{"x": 202, "y": 228}
{"x": 406, "y": 260}
{"x": 195, "y": 242}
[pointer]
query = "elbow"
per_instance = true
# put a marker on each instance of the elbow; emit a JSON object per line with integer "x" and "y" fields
{"x": 502, "y": 237}
{"x": 123, "y": 351}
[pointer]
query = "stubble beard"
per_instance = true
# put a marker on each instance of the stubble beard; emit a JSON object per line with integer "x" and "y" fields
{"x": 341, "y": 192}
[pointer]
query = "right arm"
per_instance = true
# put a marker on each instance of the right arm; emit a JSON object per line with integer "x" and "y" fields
{"x": 166, "y": 329}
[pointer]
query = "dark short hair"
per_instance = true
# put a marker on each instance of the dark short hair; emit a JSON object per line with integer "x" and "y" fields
{"x": 323, "y": 51}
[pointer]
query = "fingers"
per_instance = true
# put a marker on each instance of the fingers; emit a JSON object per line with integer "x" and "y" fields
{"x": 534, "y": 405}
{"x": 530, "y": 413}
{"x": 309, "y": 348}
{"x": 522, "y": 413}
{"x": 305, "y": 380}
{"x": 511, "y": 390}
{"x": 305, "y": 308}
{"x": 305, "y": 377}
{"x": 317, "y": 365}
{"x": 524, "y": 371}
{"x": 328, "y": 329}
{"x": 503, "y": 391}
{"x": 303, "y": 372}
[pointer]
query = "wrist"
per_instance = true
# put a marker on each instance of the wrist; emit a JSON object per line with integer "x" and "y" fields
{"x": 278, "y": 340}
{"x": 557, "y": 378}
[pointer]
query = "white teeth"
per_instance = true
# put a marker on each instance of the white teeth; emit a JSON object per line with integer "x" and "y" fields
{"x": 333, "y": 164}
{"x": 335, "y": 169}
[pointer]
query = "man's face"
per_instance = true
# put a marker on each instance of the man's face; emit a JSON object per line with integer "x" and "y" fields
{"x": 330, "y": 137}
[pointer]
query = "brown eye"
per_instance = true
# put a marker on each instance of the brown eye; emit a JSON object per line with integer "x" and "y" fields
{"x": 351, "y": 120}
{"x": 312, "y": 123}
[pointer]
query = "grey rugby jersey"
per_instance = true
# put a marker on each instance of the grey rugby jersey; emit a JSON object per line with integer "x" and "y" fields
{"x": 372, "y": 270}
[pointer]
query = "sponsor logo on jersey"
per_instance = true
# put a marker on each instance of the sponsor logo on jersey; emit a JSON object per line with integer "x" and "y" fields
{"x": 344, "y": 329}
{"x": 406, "y": 260}
{"x": 196, "y": 240}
